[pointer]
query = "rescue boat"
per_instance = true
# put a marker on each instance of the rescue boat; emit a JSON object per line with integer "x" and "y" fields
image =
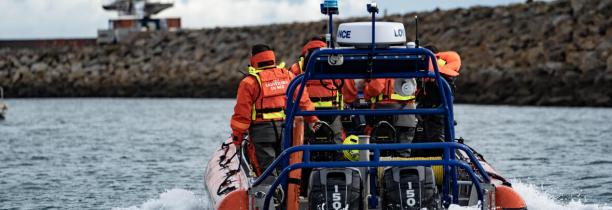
{"x": 371, "y": 176}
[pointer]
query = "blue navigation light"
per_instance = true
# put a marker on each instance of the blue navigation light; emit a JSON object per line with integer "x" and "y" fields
{"x": 329, "y": 7}
{"x": 330, "y": 4}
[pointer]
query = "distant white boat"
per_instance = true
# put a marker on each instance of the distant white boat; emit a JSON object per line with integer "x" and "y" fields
{"x": 3, "y": 106}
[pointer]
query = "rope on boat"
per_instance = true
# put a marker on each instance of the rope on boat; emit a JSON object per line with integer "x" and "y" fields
{"x": 224, "y": 161}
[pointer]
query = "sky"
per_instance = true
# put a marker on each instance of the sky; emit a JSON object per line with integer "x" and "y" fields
{"x": 37, "y": 19}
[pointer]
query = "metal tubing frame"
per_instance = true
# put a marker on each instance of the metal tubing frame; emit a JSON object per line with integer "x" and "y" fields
{"x": 450, "y": 163}
{"x": 330, "y": 26}
{"x": 446, "y": 161}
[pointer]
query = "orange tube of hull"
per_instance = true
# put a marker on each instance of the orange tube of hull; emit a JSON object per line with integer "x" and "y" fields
{"x": 505, "y": 197}
{"x": 508, "y": 199}
{"x": 236, "y": 200}
{"x": 216, "y": 174}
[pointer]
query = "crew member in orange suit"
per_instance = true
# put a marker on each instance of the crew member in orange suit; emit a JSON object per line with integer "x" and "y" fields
{"x": 260, "y": 106}
{"x": 324, "y": 94}
{"x": 380, "y": 94}
{"x": 431, "y": 127}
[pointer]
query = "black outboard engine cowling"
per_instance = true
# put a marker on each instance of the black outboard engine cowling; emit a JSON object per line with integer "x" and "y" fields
{"x": 335, "y": 188}
{"x": 409, "y": 188}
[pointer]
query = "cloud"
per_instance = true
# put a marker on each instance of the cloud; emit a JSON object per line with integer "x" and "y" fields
{"x": 50, "y": 18}
{"x": 210, "y": 13}
{"x": 24, "y": 19}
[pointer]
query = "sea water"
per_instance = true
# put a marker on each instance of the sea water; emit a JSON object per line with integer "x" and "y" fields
{"x": 151, "y": 153}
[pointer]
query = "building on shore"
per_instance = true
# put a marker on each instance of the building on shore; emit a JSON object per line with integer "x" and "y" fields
{"x": 136, "y": 16}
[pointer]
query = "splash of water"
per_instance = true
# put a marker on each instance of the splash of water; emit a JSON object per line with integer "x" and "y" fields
{"x": 174, "y": 199}
{"x": 535, "y": 197}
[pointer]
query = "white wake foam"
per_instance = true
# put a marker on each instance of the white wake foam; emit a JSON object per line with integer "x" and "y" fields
{"x": 174, "y": 199}
{"x": 535, "y": 197}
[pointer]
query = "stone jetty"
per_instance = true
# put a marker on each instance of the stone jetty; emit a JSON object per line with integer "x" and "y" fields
{"x": 536, "y": 53}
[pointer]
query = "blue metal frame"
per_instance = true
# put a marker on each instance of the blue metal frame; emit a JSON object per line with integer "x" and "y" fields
{"x": 372, "y": 55}
{"x": 375, "y": 162}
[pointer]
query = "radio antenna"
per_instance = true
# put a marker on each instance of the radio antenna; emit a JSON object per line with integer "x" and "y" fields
{"x": 330, "y": 8}
{"x": 416, "y": 31}
{"x": 373, "y": 9}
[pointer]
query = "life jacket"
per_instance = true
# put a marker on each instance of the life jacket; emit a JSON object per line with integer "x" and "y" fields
{"x": 271, "y": 100}
{"x": 449, "y": 63}
{"x": 388, "y": 95}
{"x": 323, "y": 93}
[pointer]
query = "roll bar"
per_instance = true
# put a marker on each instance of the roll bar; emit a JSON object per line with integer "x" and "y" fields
{"x": 372, "y": 63}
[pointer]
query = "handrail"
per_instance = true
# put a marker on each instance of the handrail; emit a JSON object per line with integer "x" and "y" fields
{"x": 376, "y": 147}
{"x": 425, "y": 111}
{"x": 447, "y": 160}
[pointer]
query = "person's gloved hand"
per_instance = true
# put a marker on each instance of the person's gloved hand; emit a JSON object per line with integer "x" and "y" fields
{"x": 237, "y": 138}
{"x": 316, "y": 125}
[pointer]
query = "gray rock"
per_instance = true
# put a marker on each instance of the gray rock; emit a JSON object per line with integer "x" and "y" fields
{"x": 590, "y": 62}
{"x": 609, "y": 65}
{"x": 577, "y": 5}
{"x": 39, "y": 67}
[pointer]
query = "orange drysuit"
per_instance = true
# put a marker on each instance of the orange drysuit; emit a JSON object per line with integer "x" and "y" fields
{"x": 324, "y": 94}
{"x": 449, "y": 63}
{"x": 374, "y": 91}
{"x": 263, "y": 102}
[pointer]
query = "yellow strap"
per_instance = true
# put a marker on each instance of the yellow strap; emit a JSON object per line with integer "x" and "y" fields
{"x": 274, "y": 115}
{"x": 441, "y": 62}
{"x": 377, "y": 98}
{"x": 330, "y": 104}
{"x": 323, "y": 104}
{"x": 255, "y": 72}
{"x": 399, "y": 97}
{"x": 394, "y": 96}
{"x": 301, "y": 64}
{"x": 253, "y": 113}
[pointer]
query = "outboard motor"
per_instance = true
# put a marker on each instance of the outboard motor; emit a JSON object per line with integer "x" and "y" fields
{"x": 409, "y": 188}
{"x": 335, "y": 188}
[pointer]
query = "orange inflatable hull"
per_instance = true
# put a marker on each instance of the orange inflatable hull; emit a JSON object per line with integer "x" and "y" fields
{"x": 227, "y": 190}
{"x": 228, "y": 187}
{"x": 506, "y": 198}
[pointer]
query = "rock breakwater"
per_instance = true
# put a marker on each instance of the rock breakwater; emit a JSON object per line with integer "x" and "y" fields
{"x": 542, "y": 53}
